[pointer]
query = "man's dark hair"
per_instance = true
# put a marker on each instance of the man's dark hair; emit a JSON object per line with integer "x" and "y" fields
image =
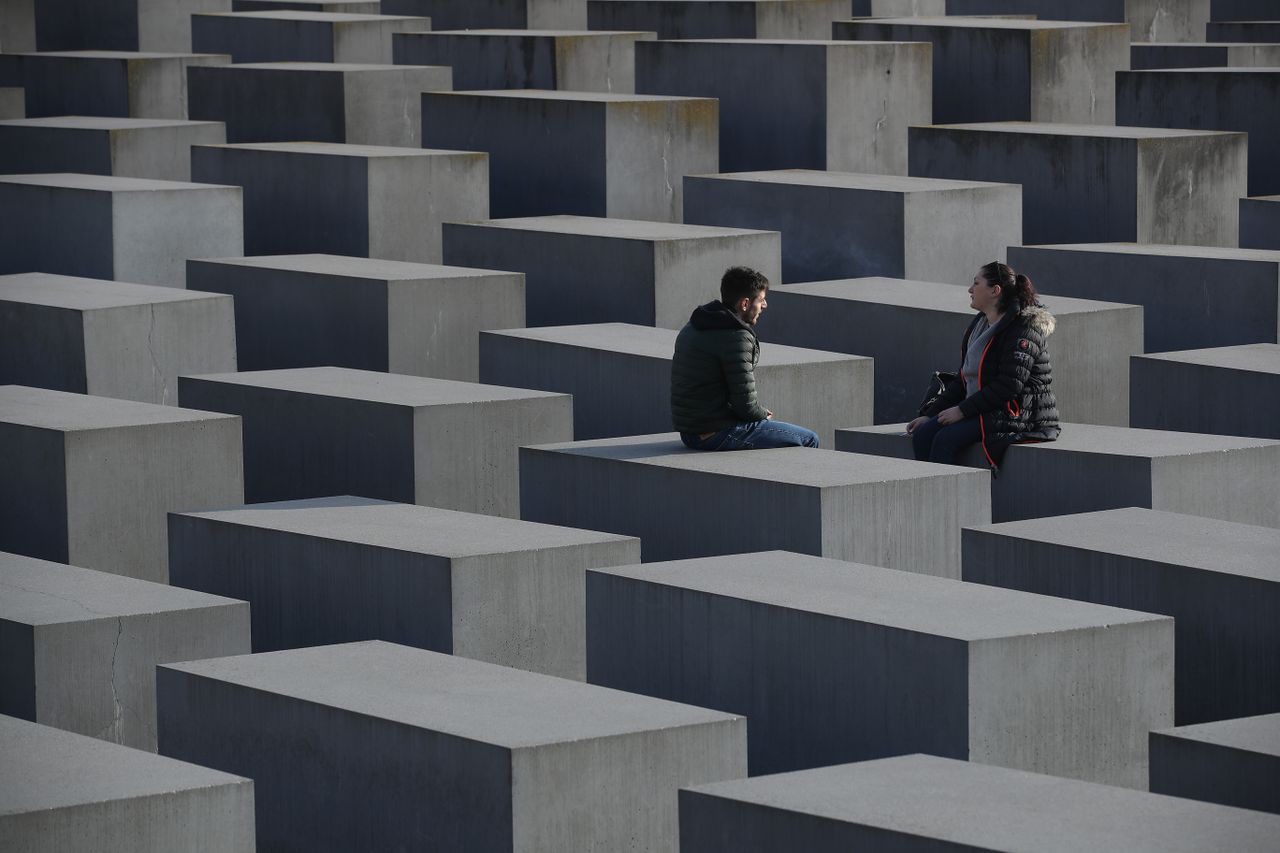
{"x": 741, "y": 283}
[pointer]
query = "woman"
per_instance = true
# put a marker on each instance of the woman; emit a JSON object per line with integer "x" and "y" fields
{"x": 1004, "y": 395}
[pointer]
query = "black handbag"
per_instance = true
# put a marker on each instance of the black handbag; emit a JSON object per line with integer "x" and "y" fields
{"x": 939, "y": 385}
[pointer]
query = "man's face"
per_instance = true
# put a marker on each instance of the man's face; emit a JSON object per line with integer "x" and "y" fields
{"x": 749, "y": 310}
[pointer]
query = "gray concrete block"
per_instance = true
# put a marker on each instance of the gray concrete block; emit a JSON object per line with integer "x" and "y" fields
{"x": 591, "y": 270}
{"x": 493, "y": 589}
{"x": 108, "y": 338}
{"x": 312, "y": 432}
{"x": 846, "y": 225}
{"x": 13, "y": 102}
{"x": 833, "y": 662}
{"x": 588, "y": 153}
{"x": 109, "y": 83}
{"x": 570, "y": 60}
{"x": 1204, "y": 55}
{"x": 362, "y": 200}
{"x": 684, "y": 503}
{"x": 482, "y": 14}
{"x": 1145, "y": 185}
{"x": 88, "y": 480}
{"x": 159, "y": 25}
{"x": 1266, "y": 31}
{"x": 67, "y": 793}
{"x": 693, "y": 19}
{"x": 1148, "y": 20}
{"x": 1227, "y": 391}
{"x": 128, "y": 229}
{"x": 1218, "y": 579}
{"x": 348, "y": 7}
{"x": 1211, "y": 99}
{"x": 1012, "y": 70}
{"x": 1232, "y": 762}
{"x": 1091, "y": 467}
{"x": 620, "y": 377}
{"x": 442, "y": 752}
{"x": 920, "y": 803}
{"x": 317, "y": 310}
{"x": 1191, "y": 296}
{"x": 316, "y": 101}
{"x": 284, "y": 35}
{"x": 125, "y": 147}
{"x": 1243, "y": 10}
{"x": 1260, "y": 222}
{"x": 80, "y": 647}
{"x": 912, "y": 328}
{"x": 17, "y": 28}
{"x": 799, "y": 104}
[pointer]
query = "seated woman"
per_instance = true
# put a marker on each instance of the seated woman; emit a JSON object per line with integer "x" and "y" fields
{"x": 1004, "y": 395}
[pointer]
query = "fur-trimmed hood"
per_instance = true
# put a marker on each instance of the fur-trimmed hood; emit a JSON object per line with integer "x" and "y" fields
{"x": 1038, "y": 318}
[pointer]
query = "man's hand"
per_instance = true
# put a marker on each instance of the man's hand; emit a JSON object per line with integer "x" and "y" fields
{"x": 768, "y": 415}
{"x": 950, "y": 416}
{"x": 916, "y": 424}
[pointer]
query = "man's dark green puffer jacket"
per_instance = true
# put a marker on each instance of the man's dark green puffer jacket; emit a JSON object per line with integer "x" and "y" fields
{"x": 713, "y": 383}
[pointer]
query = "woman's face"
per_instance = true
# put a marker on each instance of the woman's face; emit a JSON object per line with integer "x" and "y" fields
{"x": 982, "y": 296}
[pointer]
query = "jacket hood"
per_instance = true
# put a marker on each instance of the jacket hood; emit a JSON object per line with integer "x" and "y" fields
{"x": 1038, "y": 318}
{"x": 716, "y": 315}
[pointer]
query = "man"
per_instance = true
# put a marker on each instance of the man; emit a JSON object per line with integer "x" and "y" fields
{"x": 713, "y": 385}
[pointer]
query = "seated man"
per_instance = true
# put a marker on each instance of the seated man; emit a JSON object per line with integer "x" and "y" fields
{"x": 713, "y": 384}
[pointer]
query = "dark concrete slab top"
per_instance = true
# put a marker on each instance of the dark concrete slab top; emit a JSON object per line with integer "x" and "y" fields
{"x": 108, "y": 183}
{"x": 375, "y": 269}
{"x": 87, "y": 294}
{"x": 1103, "y": 131}
{"x": 64, "y": 411}
{"x": 1259, "y": 734}
{"x": 1251, "y": 358}
{"x": 622, "y": 229}
{"x": 854, "y": 181}
{"x": 1156, "y": 250}
{"x": 927, "y": 295}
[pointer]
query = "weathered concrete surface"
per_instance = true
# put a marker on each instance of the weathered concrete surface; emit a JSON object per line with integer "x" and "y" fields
{"x": 1260, "y": 222}
{"x": 1227, "y": 391}
{"x": 316, "y": 310}
{"x": 444, "y": 752}
{"x": 833, "y": 662}
{"x": 66, "y": 793}
{"x": 128, "y": 229}
{"x": 1205, "y": 55}
{"x": 363, "y": 200}
{"x": 1232, "y": 762}
{"x": 296, "y": 36}
{"x": 108, "y": 338}
{"x": 312, "y": 432}
{"x": 109, "y": 83}
{"x": 1211, "y": 99}
{"x": 800, "y": 104}
{"x": 920, "y": 803}
{"x": 1191, "y": 296}
{"x": 125, "y": 147}
{"x": 51, "y": 25}
{"x": 1012, "y": 70}
{"x": 481, "y": 14}
{"x": 80, "y": 647}
{"x": 815, "y": 501}
{"x": 694, "y": 19}
{"x": 587, "y": 153}
{"x": 845, "y": 225}
{"x": 88, "y": 480}
{"x": 316, "y": 101}
{"x": 1212, "y": 476}
{"x": 581, "y": 269}
{"x": 1218, "y": 579}
{"x": 1148, "y": 20}
{"x": 1145, "y": 185}
{"x": 620, "y": 377}
{"x": 571, "y": 60}
{"x": 13, "y": 102}
{"x": 912, "y": 328}
{"x": 494, "y": 589}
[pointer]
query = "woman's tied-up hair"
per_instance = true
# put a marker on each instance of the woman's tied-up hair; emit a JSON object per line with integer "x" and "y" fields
{"x": 1013, "y": 286}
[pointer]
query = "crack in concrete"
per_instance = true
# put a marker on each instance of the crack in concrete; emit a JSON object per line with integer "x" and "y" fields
{"x": 157, "y": 375}
{"x": 117, "y": 716}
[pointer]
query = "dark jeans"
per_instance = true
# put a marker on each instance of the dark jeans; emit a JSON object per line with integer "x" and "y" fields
{"x": 934, "y": 442}
{"x": 757, "y": 435}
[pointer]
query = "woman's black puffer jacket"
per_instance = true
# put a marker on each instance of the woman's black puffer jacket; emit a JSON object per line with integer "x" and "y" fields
{"x": 1015, "y": 396}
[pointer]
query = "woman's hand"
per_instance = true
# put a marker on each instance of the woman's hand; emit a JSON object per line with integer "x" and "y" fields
{"x": 916, "y": 424}
{"x": 950, "y": 416}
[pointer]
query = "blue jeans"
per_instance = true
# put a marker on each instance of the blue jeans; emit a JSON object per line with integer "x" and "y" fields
{"x": 753, "y": 435}
{"x": 934, "y": 442}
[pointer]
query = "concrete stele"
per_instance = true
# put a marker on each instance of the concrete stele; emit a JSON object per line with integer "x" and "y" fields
{"x": 88, "y": 480}
{"x": 79, "y": 647}
{"x": 620, "y": 377}
{"x": 1260, "y": 222}
{"x": 482, "y": 14}
{"x": 834, "y": 661}
{"x": 494, "y": 589}
{"x": 284, "y": 35}
{"x": 110, "y": 82}
{"x": 102, "y": 145}
{"x": 312, "y": 432}
{"x": 445, "y": 752}
{"x": 684, "y": 503}
{"x": 1218, "y": 579}
{"x": 150, "y": 25}
{"x": 1203, "y": 55}
{"x": 1231, "y": 762}
{"x": 694, "y": 19}
{"x": 1226, "y": 390}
